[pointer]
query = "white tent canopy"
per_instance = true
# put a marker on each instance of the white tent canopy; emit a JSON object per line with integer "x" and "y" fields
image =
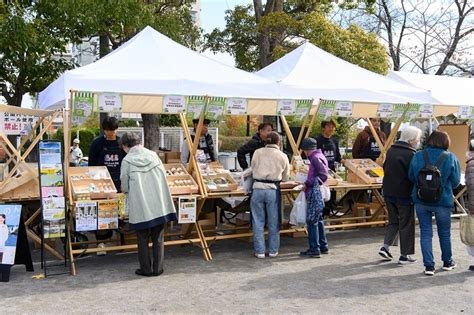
{"x": 151, "y": 65}
{"x": 329, "y": 77}
{"x": 445, "y": 89}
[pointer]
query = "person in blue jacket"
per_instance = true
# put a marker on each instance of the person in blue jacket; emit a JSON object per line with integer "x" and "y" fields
{"x": 438, "y": 143}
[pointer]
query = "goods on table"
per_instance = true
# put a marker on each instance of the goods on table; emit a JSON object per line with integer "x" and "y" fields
{"x": 219, "y": 182}
{"x": 93, "y": 182}
{"x": 179, "y": 181}
{"x": 364, "y": 171}
{"x": 334, "y": 179}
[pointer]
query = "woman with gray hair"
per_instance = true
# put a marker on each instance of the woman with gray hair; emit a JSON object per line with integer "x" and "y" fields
{"x": 150, "y": 203}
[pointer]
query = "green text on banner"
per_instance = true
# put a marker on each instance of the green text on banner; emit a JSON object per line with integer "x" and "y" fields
{"x": 302, "y": 108}
{"x": 236, "y": 106}
{"x": 194, "y": 106}
{"x": 286, "y": 107}
{"x": 83, "y": 104}
{"x": 174, "y": 104}
{"x": 215, "y": 108}
{"x": 110, "y": 102}
{"x": 326, "y": 109}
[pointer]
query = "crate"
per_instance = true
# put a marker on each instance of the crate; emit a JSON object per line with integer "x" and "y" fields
{"x": 360, "y": 168}
{"x": 212, "y": 186}
{"x": 81, "y": 179}
{"x": 182, "y": 189}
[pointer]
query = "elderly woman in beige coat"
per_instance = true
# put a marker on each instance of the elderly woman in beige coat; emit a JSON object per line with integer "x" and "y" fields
{"x": 149, "y": 200}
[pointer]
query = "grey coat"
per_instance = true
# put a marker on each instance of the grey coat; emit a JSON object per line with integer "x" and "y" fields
{"x": 470, "y": 183}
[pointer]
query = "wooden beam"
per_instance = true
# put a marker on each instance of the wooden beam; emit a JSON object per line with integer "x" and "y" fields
{"x": 289, "y": 136}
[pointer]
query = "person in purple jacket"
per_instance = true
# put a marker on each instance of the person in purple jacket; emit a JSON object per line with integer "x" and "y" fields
{"x": 318, "y": 172}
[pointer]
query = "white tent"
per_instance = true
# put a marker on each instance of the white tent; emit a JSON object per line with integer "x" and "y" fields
{"x": 325, "y": 76}
{"x": 151, "y": 65}
{"x": 447, "y": 90}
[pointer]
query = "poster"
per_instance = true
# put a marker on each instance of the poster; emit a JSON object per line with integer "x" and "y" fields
{"x": 343, "y": 109}
{"x": 187, "y": 210}
{"x": 15, "y": 124}
{"x": 385, "y": 110}
{"x": 326, "y": 109}
{"x": 9, "y": 223}
{"x": 302, "y": 108}
{"x": 107, "y": 214}
{"x": 83, "y": 104}
{"x": 286, "y": 107}
{"x": 51, "y": 175}
{"x": 426, "y": 111}
{"x": 110, "y": 102}
{"x": 50, "y": 153}
{"x": 466, "y": 112}
{"x": 86, "y": 216}
{"x": 54, "y": 214}
{"x": 194, "y": 106}
{"x": 174, "y": 104}
{"x": 236, "y": 106}
{"x": 215, "y": 108}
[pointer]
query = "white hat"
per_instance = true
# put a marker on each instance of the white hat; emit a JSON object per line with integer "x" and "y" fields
{"x": 76, "y": 141}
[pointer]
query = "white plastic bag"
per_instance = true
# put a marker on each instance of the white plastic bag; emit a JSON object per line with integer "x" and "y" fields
{"x": 298, "y": 212}
{"x": 325, "y": 192}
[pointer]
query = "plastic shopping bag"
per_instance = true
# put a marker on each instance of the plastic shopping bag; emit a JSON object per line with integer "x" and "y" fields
{"x": 298, "y": 212}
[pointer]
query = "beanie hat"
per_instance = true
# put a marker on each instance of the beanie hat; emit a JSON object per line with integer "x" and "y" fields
{"x": 308, "y": 144}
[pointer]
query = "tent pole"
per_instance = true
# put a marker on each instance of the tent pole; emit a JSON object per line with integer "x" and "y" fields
{"x": 310, "y": 126}
{"x": 289, "y": 135}
{"x": 302, "y": 132}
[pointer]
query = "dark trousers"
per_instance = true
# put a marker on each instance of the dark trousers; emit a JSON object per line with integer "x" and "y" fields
{"x": 157, "y": 237}
{"x": 401, "y": 220}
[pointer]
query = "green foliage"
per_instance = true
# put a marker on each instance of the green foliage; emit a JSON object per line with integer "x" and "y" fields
{"x": 231, "y": 144}
{"x": 85, "y": 135}
{"x": 170, "y": 121}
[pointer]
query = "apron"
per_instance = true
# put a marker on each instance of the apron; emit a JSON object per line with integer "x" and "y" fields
{"x": 329, "y": 151}
{"x": 278, "y": 196}
{"x": 112, "y": 160}
{"x": 371, "y": 150}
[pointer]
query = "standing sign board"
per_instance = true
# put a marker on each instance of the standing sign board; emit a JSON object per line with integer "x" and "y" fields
{"x": 187, "y": 210}
{"x": 9, "y": 228}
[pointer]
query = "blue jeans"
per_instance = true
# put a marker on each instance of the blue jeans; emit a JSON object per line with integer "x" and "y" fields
{"x": 263, "y": 202}
{"x": 317, "y": 236}
{"x": 443, "y": 222}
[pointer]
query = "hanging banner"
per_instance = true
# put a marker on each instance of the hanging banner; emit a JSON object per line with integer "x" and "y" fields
{"x": 326, "y": 109}
{"x": 17, "y": 125}
{"x": 107, "y": 214}
{"x": 425, "y": 111}
{"x": 302, "y": 108}
{"x": 187, "y": 210}
{"x": 110, "y": 102}
{"x": 174, "y": 104}
{"x": 10, "y": 216}
{"x": 236, "y": 106}
{"x": 86, "y": 216}
{"x": 385, "y": 110}
{"x": 466, "y": 112}
{"x": 215, "y": 108}
{"x": 412, "y": 111}
{"x": 83, "y": 104}
{"x": 343, "y": 109}
{"x": 286, "y": 107}
{"x": 194, "y": 106}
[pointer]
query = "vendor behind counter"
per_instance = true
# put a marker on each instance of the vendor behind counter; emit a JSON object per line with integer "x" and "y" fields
{"x": 365, "y": 146}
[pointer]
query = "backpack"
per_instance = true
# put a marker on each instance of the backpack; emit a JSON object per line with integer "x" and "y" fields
{"x": 429, "y": 187}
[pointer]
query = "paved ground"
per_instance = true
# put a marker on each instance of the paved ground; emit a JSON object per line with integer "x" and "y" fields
{"x": 350, "y": 279}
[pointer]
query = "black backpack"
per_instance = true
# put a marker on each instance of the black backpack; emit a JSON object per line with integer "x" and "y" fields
{"x": 428, "y": 186}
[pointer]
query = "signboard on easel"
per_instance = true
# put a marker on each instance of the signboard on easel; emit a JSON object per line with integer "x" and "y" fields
{"x": 10, "y": 216}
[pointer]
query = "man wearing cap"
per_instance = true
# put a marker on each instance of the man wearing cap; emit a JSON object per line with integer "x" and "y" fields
{"x": 206, "y": 144}
{"x": 75, "y": 153}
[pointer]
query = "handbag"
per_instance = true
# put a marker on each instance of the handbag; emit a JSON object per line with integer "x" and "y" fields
{"x": 325, "y": 191}
{"x": 466, "y": 229}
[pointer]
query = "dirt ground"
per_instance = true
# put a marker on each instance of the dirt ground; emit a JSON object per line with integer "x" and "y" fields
{"x": 351, "y": 279}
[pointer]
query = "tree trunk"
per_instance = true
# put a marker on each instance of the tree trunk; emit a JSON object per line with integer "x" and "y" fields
{"x": 151, "y": 129}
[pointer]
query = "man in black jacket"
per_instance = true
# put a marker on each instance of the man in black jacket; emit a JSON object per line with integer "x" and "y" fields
{"x": 258, "y": 141}
{"x": 328, "y": 144}
{"x": 397, "y": 189}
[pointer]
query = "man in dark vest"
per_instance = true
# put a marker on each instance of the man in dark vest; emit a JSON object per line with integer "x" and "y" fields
{"x": 365, "y": 146}
{"x": 206, "y": 144}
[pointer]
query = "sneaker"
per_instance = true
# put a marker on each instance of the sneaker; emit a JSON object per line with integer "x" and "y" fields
{"x": 404, "y": 260}
{"x": 310, "y": 254}
{"x": 471, "y": 268}
{"x": 325, "y": 251}
{"x": 450, "y": 265}
{"x": 430, "y": 271}
{"x": 260, "y": 256}
{"x": 385, "y": 254}
{"x": 273, "y": 255}
{"x": 101, "y": 245}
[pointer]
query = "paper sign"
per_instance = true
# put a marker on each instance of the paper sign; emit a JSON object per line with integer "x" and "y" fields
{"x": 236, "y": 106}
{"x": 343, "y": 109}
{"x": 13, "y": 124}
{"x": 215, "y": 108}
{"x": 174, "y": 104}
{"x": 110, "y": 102}
{"x": 9, "y": 223}
{"x": 187, "y": 210}
{"x": 326, "y": 109}
{"x": 195, "y": 105}
{"x": 107, "y": 214}
{"x": 466, "y": 112}
{"x": 385, "y": 110}
{"x": 426, "y": 111}
{"x": 302, "y": 108}
{"x": 83, "y": 104}
{"x": 86, "y": 216}
{"x": 413, "y": 112}
{"x": 54, "y": 217}
{"x": 286, "y": 107}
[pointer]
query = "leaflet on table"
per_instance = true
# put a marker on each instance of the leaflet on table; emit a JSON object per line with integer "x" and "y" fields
{"x": 110, "y": 102}
{"x": 174, "y": 104}
{"x": 303, "y": 108}
{"x": 194, "y": 107}
{"x": 326, "y": 109}
{"x": 215, "y": 108}
{"x": 107, "y": 214}
{"x": 83, "y": 104}
{"x": 187, "y": 210}
{"x": 286, "y": 107}
{"x": 16, "y": 124}
{"x": 86, "y": 216}
{"x": 236, "y": 106}
{"x": 10, "y": 215}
